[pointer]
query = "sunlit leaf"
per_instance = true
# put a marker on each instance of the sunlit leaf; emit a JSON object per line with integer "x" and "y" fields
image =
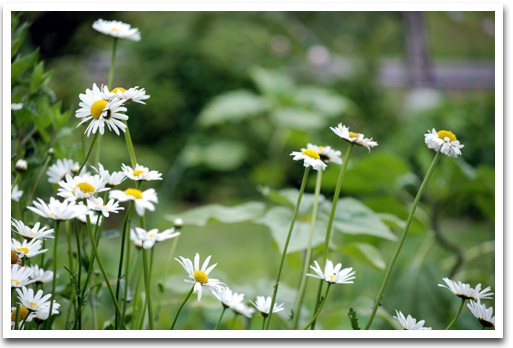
{"x": 365, "y": 253}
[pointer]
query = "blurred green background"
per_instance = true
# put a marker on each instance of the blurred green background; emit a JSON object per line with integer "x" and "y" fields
{"x": 233, "y": 93}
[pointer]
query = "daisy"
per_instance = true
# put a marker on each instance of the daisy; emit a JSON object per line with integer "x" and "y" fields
{"x": 44, "y": 312}
{"x": 326, "y": 153}
{"x": 81, "y": 187}
{"x": 132, "y": 94}
{"x": 39, "y": 275}
{"x": 141, "y": 173}
{"x": 16, "y": 193}
{"x": 356, "y": 138}
{"x": 199, "y": 276}
{"x": 16, "y": 106}
{"x": 333, "y": 274}
{"x": 443, "y": 141}
{"x": 31, "y": 233}
{"x": 96, "y": 204}
{"x": 464, "y": 291}
{"x": 33, "y": 302}
{"x": 143, "y": 200}
{"x": 263, "y": 305}
{"x": 15, "y": 260}
{"x": 20, "y": 276}
{"x": 228, "y": 298}
{"x": 100, "y": 112}
{"x": 117, "y": 29}
{"x": 25, "y": 316}
{"x": 61, "y": 168}
{"x": 311, "y": 159}
{"x": 244, "y": 309}
{"x": 110, "y": 180}
{"x": 483, "y": 314}
{"x": 147, "y": 239}
{"x": 410, "y": 323}
{"x": 21, "y": 165}
{"x": 26, "y": 248}
{"x": 57, "y": 210}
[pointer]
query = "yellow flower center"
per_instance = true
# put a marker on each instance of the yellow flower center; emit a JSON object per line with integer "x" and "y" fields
{"x": 97, "y": 108}
{"x": 114, "y": 29}
{"x": 311, "y": 153}
{"x": 134, "y": 192}
{"x": 84, "y": 187}
{"x": 201, "y": 277}
{"x": 14, "y": 257}
{"x": 23, "y": 313}
{"x": 332, "y": 277}
{"x": 446, "y": 134}
{"x": 138, "y": 172}
{"x": 353, "y": 135}
{"x": 321, "y": 147}
{"x": 25, "y": 250}
{"x": 32, "y": 304}
{"x": 115, "y": 90}
{"x": 16, "y": 281}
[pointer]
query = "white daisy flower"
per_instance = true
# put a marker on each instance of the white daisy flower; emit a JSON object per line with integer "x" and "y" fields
{"x": 31, "y": 233}
{"x": 147, "y": 239}
{"x": 243, "y": 309}
{"x": 410, "y": 323}
{"x": 483, "y": 314}
{"x": 27, "y": 248}
{"x": 39, "y": 275}
{"x": 57, "y": 210}
{"x": 25, "y": 316}
{"x": 110, "y": 180}
{"x": 61, "y": 168}
{"x": 141, "y": 173}
{"x": 464, "y": 291}
{"x": 263, "y": 305}
{"x": 32, "y": 302}
{"x": 81, "y": 187}
{"x": 20, "y": 276}
{"x": 228, "y": 298}
{"x": 94, "y": 108}
{"x": 333, "y": 274}
{"x": 93, "y": 217}
{"x": 357, "y": 138}
{"x": 143, "y": 200}
{"x": 117, "y": 29}
{"x": 96, "y": 204}
{"x": 311, "y": 159}
{"x": 443, "y": 141}
{"x": 16, "y": 193}
{"x": 44, "y": 312}
{"x": 132, "y": 94}
{"x": 199, "y": 276}
{"x": 326, "y": 153}
{"x": 16, "y": 106}
{"x": 21, "y": 165}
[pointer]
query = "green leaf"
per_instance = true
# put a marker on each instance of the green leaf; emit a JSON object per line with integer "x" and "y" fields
{"x": 272, "y": 83}
{"x": 299, "y": 119}
{"x": 354, "y": 320}
{"x": 234, "y": 107}
{"x": 365, "y": 253}
{"x": 224, "y": 155}
{"x": 288, "y": 197}
{"x": 17, "y": 37}
{"x": 39, "y": 77}
{"x": 21, "y": 64}
{"x": 201, "y": 216}
{"x": 322, "y": 100}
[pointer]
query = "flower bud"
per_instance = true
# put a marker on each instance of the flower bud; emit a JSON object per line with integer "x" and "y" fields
{"x": 21, "y": 165}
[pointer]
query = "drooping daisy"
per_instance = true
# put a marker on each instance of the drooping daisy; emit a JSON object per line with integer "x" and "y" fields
{"x": 228, "y": 298}
{"x": 44, "y": 312}
{"x": 143, "y": 199}
{"x": 39, "y": 275}
{"x": 483, "y": 314}
{"x": 31, "y": 233}
{"x": 132, "y": 94}
{"x": 21, "y": 165}
{"x": 445, "y": 141}
{"x": 27, "y": 248}
{"x": 96, "y": 204}
{"x": 81, "y": 187}
{"x": 61, "y": 168}
{"x": 333, "y": 274}
{"x": 110, "y": 180}
{"x": 16, "y": 193}
{"x": 141, "y": 173}
{"x": 101, "y": 112}
{"x": 32, "y": 302}
{"x": 410, "y": 323}
{"x": 352, "y": 137}
{"x": 311, "y": 159}
{"x": 243, "y": 309}
{"x": 326, "y": 153}
{"x": 147, "y": 239}
{"x": 464, "y": 291}
{"x": 57, "y": 210}
{"x": 263, "y": 305}
{"x": 199, "y": 276}
{"x": 117, "y": 29}
{"x": 20, "y": 276}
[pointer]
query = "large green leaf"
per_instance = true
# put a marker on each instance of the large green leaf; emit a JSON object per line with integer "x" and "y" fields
{"x": 365, "y": 253}
{"x": 18, "y": 37}
{"x": 220, "y": 155}
{"x": 299, "y": 119}
{"x": 322, "y": 101}
{"x": 272, "y": 83}
{"x": 22, "y": 64}
{"x": 288, "y": 197}
{"x": 201, "y": 216}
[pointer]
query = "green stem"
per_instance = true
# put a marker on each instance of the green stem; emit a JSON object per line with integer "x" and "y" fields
{"x": 401, "y": 240}
{"x": 302, "y": 285}
{"x": 112, "y": 61}
{"x": 126, "y": 223}
{"x": 43, "y": 168}
{"x": 171, "y": 252}
{"x": 95, "y": 136}
{"x": 92, "y": 256}
{"x": 301, "y": 190}
{"x": 314, "y": 319}
{"x": 16, "y": 179}
{"x": 263, "y": 322}
{"x": 457, "y": 314}
{"x": 17, "y": 319}
{"x": 79, "y": 277}
{"x": 130, "y": 145}
{"x": 220, "y": 317}
{"x": 181, "y": 306}
{"x": 147, "y": 280}
{"x": 54, "y": 280}
{"x": 127, "y": 270}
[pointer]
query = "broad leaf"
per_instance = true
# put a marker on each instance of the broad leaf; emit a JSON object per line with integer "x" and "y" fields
{"x": 18, "y": 37}
{"x": 299, "y": 119}
{"x": 365, "y": 253}
{"x": 22, "y": 64}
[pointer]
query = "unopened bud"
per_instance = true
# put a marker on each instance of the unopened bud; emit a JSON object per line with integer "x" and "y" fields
{"x": 21, "y": 165}
{"x": 51, "y": 151}
{"x": 178, "y": 223}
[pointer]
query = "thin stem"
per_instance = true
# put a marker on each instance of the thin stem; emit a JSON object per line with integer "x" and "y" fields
{"x": 112, "y": 61}
{"x": 147, "y": 280}
{"x": 284, "y": 253}
{"x": 171, "y": 252}
{"x": 263, "y": 322}
{"x": 54, "y": 280}
{"x": 181, "y": 306}
{"x": 130, "y": 145}
{"x": 95, "y": 136}
{"x": 457, "y": 314}
{"x": 43, "y": 168}
{"x": 126, "y": 223}
{"x": 220, "y": 317}
{"x": 96, "y": 240}
{"x": 401, "y": 240}
{"x": 17, "y": 319}
{"x": 127, "y": 268}
{"x": 78, "y": 237}
{"x": 302, "y": 285}
{"x": 314, "y": 319}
